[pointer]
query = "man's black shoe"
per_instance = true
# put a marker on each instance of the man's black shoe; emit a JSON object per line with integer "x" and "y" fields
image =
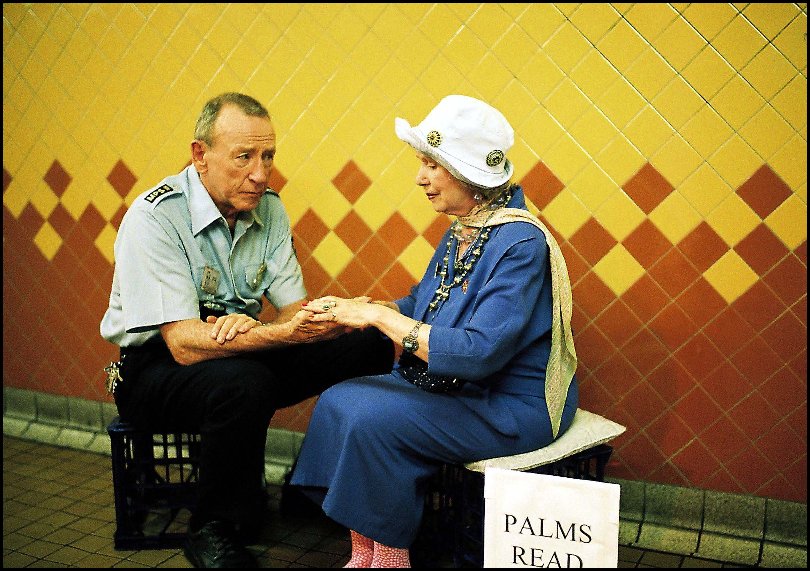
{"x": 215, "y": 546}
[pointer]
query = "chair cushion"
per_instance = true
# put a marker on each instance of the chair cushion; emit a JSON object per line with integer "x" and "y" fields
{"x": 586, "y": 431}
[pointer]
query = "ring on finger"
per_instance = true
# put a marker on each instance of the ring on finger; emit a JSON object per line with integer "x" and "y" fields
{"x": 334, "y": 317}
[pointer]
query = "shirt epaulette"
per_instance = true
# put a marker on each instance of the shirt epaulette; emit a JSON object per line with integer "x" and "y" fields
{"x": 157, "y": 194}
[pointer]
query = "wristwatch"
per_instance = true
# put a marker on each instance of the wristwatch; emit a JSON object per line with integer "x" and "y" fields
{"x": 410, "y": 343}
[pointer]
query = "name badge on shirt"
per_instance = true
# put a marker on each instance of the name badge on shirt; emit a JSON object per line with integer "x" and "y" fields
{"x": 210, "y": 280}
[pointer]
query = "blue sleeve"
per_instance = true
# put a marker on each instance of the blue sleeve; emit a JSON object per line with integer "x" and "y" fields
{"x": 508, "y": 315}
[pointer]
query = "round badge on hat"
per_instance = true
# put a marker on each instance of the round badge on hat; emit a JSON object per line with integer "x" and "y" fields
{"x": 495, "y": 158}
{"x": 434, "y": 138}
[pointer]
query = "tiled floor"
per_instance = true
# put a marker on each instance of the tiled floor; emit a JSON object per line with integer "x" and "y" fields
{"x": 58, "y": 512}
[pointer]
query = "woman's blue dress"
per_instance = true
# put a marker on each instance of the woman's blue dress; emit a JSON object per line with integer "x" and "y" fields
{"x": 373, "y": 442}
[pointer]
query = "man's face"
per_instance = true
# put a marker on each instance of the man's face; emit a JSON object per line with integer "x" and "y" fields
{"x": 236, "y": 168}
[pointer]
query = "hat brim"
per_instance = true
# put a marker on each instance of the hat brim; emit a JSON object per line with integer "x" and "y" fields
{"x": 418, "y": 140}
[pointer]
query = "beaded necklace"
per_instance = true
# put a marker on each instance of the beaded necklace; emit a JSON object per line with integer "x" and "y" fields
{"x": 465, "y": 264}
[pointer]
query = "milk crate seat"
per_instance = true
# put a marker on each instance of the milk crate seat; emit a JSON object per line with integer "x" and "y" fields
{"x": 454, "y": 508}
{"x": 155, "y": 479}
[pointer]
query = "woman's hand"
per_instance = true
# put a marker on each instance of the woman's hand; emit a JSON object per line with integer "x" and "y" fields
{"x": 357, "y": 312}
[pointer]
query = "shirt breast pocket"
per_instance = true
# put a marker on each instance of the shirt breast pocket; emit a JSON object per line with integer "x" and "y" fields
{"x": 257, "y": 276}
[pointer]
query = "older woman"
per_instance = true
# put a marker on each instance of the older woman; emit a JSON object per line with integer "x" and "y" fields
{"x": 488, "y": 361}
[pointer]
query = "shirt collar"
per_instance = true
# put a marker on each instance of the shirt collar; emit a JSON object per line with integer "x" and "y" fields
{"x": 203, "y": 210}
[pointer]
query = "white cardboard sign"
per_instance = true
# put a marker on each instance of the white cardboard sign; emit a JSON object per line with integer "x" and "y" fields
{"x": 537, "y": 520}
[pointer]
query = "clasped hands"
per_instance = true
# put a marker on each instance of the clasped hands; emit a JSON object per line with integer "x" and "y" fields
{"x": 319, "y": 319}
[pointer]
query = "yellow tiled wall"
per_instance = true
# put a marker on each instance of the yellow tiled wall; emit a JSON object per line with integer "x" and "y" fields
{"x": 665, "y": 144}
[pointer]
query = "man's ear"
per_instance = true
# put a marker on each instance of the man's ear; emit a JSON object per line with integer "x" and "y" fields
{"x": 198, "y": 149}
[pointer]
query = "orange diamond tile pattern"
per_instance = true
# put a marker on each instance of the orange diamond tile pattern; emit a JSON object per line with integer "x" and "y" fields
{"x": 714, "y": 392}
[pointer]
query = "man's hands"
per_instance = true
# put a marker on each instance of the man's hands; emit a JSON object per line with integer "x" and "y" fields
{"x": 226, "y": 327}
{"x": 303, "y": 327}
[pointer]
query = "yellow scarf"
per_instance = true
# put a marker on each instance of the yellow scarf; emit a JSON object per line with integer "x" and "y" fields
{"x": 562, "y": 362}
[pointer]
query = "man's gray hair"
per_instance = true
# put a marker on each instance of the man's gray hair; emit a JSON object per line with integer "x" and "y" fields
{"x": 204, "y": 130}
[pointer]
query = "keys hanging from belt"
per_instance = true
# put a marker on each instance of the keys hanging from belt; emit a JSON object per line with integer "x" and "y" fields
{"x": 113, "y": 371}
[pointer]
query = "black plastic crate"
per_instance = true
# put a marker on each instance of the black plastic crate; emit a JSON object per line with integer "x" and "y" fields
{"x": 155, "y": 479}
{"x": 454, "y": 507}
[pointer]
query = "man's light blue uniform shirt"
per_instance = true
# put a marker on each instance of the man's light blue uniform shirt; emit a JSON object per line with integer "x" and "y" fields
{"x": 173, "y": 236}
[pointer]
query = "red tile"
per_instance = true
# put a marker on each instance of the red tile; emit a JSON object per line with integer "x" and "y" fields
{"x": 759, "y": 306}
{"x": 121, "y": 178}
{"x": 61, "y": 220}
{"x": 703, "y": 246}
{"x": 696, "y": 462}
{"x": 698, "y": 410}
{"x": 764, "y": 191}
{"x": 593, "y": 396}
{"x": 57, "y": 178}
{"x": 781, "y": 445}
{"x": 592, "y": 295}
{"x": 727, "y": 386}
{"x": 801, "y": 252}
{"x": 593, "y": 348}
{"x": 91, "y": 222}
{"x": 397, "y": 233}
{"x": 302, "y": 250}
{"x": 642, "y": 405}
{"x": 353, "y": 231}
{"x": 798, "y": 364}
{"x": 115, "y": 221}
{"x": 618, "y": 323}
{"x": 647, "y": 244}
{"x": 729, "y": 332}
{"x": 757, "y": 361}
{"x": 671, "y": 380}
{"x": 7, "y": 178}
{"x": 699, "y": 356}
{"x": 578, "y": 319}
{"x": 701, "y": 302}
{"x": 798, "y": 420}
{"x": 799, "y": 309}
{"x": 723, "y": 481}
{"x": 670, "y": 433}
{"x": 647, "y": 188}
{"x": 643, "y": 455}
{"x": 645, "y": 298}
{"x": 788, "y": 279}
{"x": 754, "y": 468}
{"x": 397, "y": 281}
{"x": 576, "y": 264}
{"x": 668, "y": 473}
{"x": 310, "y": 229}
{"x": 376, "y": 256}
{"x": 782, "y": 487}
{"x": 761, "y": 249}
{"x": 673, "y": 272}
{"x": 435, "y": 231}
{"x": 618, "y": 376}
{"x": 351, "y": 182}
{"x": 315, "y": 277}
{"x": 724, "y": 439}
{"x": 277, "y": 180}
{"x": 645, "y": 351}
{"x": 754, "y": 416}
{"x": 673, "y": 326}
{"x": 28, "y": 224}
{"x": 356, "y": 278}
{"x": 540, "y": 185}
{"x": 784, "y": 391}
{"x": 787, "y": 336}
{"x": 592, "y": 241}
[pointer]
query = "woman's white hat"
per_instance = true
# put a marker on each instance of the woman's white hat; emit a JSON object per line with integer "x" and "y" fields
{"x": 467, "y": 134}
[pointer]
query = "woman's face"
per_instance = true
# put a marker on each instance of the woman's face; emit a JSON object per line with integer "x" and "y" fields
{"x": 443, "y": 190}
